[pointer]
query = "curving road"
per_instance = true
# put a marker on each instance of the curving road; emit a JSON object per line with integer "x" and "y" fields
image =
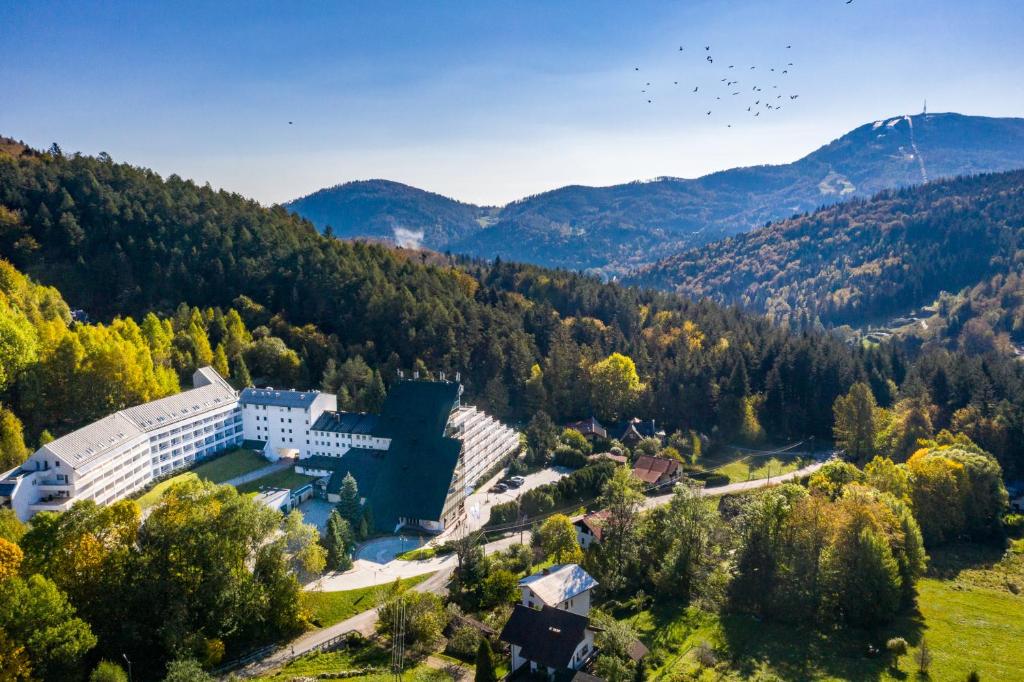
{"x": 366, "y": 621}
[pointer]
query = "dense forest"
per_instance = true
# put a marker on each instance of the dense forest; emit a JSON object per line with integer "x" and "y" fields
{"x": 121, "y": 241}
{"x": 865, "y": 260}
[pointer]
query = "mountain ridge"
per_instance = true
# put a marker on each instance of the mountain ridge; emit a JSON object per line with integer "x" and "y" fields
{"x": 618, "y": 228}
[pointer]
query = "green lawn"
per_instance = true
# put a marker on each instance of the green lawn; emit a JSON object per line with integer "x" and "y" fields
{"x": 153, "y": 495}
{"x": 741, "y": 466}
{"x": 370, "y": 656}
{"x": 279, "y": 479}
{"x": 230, "y": 465}
{"x": 328, "y": 608}
{"x": 227, "y": 466}
{"x": 967, "y": 611}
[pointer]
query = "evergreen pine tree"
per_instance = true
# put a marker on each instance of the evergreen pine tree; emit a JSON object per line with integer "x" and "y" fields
{"x": 240, "y": 372}
{"x": 375, "y": 393}
{"x": 348, "y": 505}
{"x": 485, "y": 663}
{"x": 338, "y": 542}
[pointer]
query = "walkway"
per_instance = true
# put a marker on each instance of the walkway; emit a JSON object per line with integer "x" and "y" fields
{"x": 279, "y": 465}
{"x": 364, "y": 623}
{"x": 366, "y": 573}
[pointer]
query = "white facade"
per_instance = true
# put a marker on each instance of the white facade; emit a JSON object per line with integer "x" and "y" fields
{"x": 282, "y": 419}
{"x": 120, "y": 454}
{"x": 124, "y": 452}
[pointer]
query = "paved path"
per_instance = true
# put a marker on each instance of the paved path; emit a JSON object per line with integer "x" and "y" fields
{"x": 741, "y": 486}
{"x": 279, "y": 465}
{"x": 364, "y": 623}
{"x": 366, "y": 573}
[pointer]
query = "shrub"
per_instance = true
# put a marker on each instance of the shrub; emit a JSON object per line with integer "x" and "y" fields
{"x": 569, "y": 458}
{"x": 463, "y": 643}
{"x": 897, "y": 646}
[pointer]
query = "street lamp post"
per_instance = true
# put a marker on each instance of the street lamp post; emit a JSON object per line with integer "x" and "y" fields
{"x": 128, "y": 661}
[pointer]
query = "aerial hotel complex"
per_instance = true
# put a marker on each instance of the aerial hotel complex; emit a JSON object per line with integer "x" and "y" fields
{"x": 414, "y": 463}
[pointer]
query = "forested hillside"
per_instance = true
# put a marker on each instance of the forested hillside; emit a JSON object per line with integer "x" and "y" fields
{"x": 382, "y": 209}
{"x": 865, "y": 260}
{"x": 619, "y": 228}
{"x": 119, "y": 240}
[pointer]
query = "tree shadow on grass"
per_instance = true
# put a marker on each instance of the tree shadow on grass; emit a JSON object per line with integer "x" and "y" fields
{"x": 803, "y": 653}
{"x": 946, "y": 563}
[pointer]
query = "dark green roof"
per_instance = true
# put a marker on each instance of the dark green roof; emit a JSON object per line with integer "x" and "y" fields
{"x": 421, "y": 460}
{"x": 411, "y": 479}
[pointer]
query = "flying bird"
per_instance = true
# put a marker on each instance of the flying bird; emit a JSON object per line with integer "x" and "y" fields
{"x": 707, "y": 47}
{"x": 793, "y": 96}
{"x": 709, "y": 112}
{"x": 680, "y": 48}
{"x": 696, "y": 88}
{"x": 710, "y": 59}
{"x": 788, "y": 46}
{"x": 289, "y": 123}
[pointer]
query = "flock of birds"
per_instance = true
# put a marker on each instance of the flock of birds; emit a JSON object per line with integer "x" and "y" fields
{"x": 759, "y": 99}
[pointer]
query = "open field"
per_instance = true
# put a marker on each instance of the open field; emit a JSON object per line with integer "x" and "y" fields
{"x": 967, "y": 611}
{"x": 279, "y": 479}
{"x": 225, "y": 467}
{"x": 744, "y": 466}
{"x": 327, "y": 608}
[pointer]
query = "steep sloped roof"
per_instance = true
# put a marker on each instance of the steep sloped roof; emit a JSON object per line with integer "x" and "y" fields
{"x": 560, "y": 582}
{"x": 421, "y": 459}
{"x": 548, "y": 636}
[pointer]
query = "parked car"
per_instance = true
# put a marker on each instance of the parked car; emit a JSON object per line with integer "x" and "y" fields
{"x": 516, "y": 481}
{"x": 499, "y": 488}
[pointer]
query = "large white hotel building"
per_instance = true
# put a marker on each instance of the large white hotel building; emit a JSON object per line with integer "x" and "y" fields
{"x": 415, "y": 462}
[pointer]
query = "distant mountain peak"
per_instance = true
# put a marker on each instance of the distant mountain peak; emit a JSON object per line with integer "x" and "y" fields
{"x": 618, "y": 228}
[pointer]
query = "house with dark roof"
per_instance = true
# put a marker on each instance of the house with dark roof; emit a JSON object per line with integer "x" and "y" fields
{"x": 635, "y": 430}
{"x": 656, "y": 471}
{"x": 548, "y": 640}
{"x": 590, "y": 428}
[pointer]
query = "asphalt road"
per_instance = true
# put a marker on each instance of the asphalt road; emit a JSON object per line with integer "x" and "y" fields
{"x": 366, "y": 621}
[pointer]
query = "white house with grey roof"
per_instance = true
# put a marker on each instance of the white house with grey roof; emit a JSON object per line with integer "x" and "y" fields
{"x": 118, "y": 455}
{"x": 566, "y": 587}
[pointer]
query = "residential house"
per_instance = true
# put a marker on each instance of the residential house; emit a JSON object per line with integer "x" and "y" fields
{"x": 656, "y": 471}
{"x": 564, "y": 586}
{"x": 589, "y": 528}
{"x": 548, "y": 640}
{"x": 590, "y": 428}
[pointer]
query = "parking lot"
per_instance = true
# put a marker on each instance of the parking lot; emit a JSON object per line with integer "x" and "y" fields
{"x": 478, "y": 505}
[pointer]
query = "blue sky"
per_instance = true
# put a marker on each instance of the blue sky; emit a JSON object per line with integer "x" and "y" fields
{"x": 485, "y": 101}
